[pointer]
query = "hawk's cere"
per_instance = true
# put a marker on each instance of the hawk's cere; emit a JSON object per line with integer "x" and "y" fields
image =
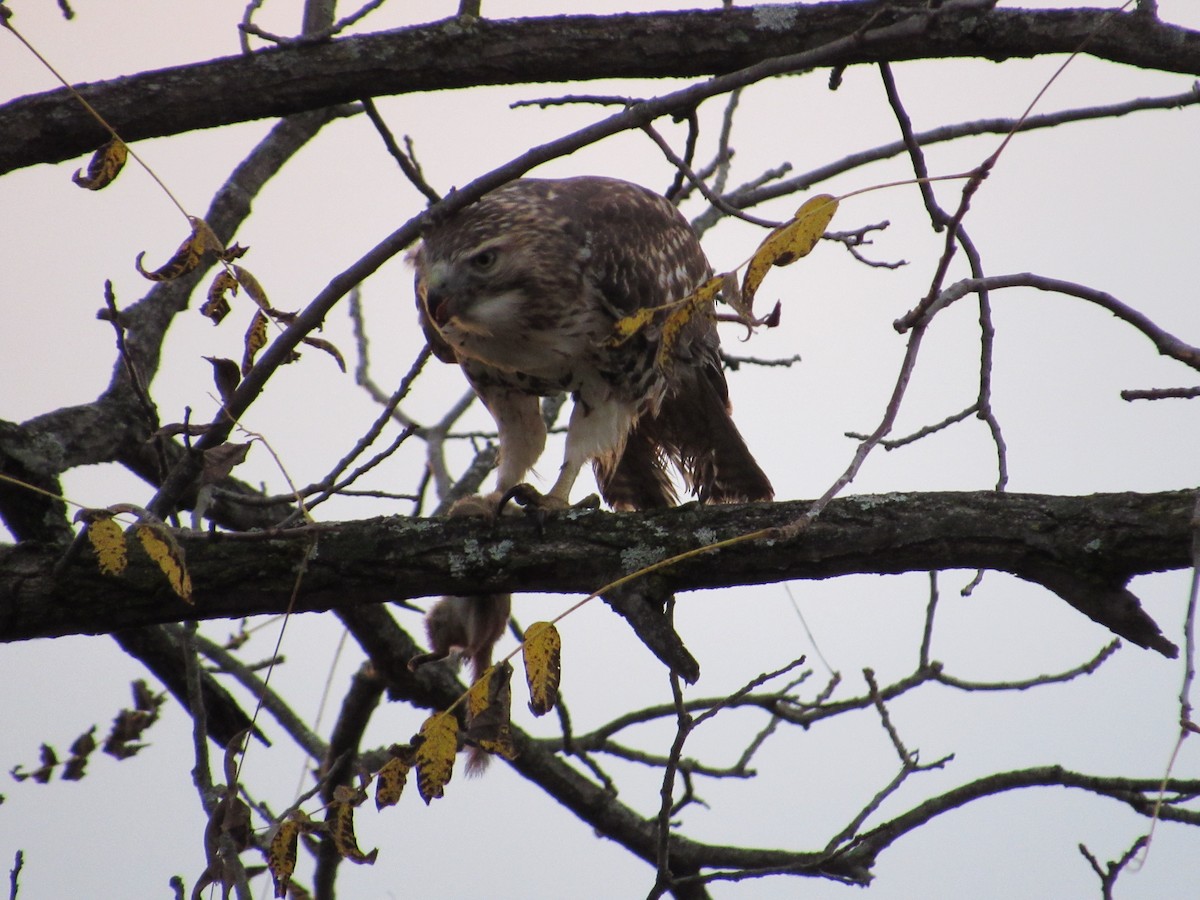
{"x": 522, "y": 290}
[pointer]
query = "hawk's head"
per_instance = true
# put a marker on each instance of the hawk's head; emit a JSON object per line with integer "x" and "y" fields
{"x": 498, "y": 274}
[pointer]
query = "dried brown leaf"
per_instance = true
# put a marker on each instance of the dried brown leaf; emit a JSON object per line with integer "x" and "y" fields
{"x": 216, "y": 307}
{"x": 104, "y": 166}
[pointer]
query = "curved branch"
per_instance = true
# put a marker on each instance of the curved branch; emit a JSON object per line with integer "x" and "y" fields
{"x": 1137, "y": 793}
{"x": 1166, "y": 344}
{"x": 456, "y": 53}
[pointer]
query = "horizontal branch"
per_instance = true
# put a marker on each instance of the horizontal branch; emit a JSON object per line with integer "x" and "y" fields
{"x": 459, "y": 53}
{"x": 1082, "y": 548}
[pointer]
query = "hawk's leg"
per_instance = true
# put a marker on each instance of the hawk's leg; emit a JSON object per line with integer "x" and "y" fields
{"x": 522, "y": 439}
{"x": 595, "y": 430}
{"x": 522, "y": 433}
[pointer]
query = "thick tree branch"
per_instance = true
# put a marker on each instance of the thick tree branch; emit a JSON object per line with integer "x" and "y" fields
{"x": 457, "y": 53}
{"x": 1083, "y": 548}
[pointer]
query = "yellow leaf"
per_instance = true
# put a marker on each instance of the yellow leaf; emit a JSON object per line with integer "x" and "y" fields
{"x": 624, "y": 329}
{"x": 489, "y": 702}
{"x": 256, "y": 339}
{"x": 789, "y": 242}
{"x": 281, "y": 857}
{"x": 339, "y": 820}
{"x": 216, "y": 307}
{"x": 188, "y": 256}
{"x": 435, "y": 754}
{"x": 390, "y": 781}
{"x": 698, "y": 300}
{"x": 104, "y": 166}
{"x": 167, "y": 555}
{"x": 253, "y": 288}
{"x": 108, "y": 541}
{"x": 543, "y": 666}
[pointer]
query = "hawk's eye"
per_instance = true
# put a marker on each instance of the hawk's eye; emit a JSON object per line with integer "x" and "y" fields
{"x": 484, "y": 259}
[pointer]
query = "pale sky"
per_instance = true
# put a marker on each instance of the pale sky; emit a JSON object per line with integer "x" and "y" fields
{"x": 1108, "y": 204}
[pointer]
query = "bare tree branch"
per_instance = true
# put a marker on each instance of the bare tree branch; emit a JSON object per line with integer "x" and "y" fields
{"x": 50, "y": 127}
{"x": 1048, "y": 540}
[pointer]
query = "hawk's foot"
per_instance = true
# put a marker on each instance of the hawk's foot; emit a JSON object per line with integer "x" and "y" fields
{"x": 540, "y": 505}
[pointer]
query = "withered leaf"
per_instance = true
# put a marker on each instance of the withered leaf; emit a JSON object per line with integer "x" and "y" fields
{"x": 489, "y": 702}
{"x": 45, "y": 772}
{"x": 626, "y": 327}
{"x": 698, "y": 302}
{"x": 391, "y": 778}
{"x": 166, "y": 553}
{"x": 322, "y": 344}
{"x": 232, "y": 252}
{"x": 435, "y": 754}
{"x": 281, "y": 856}
{"x": 129, "y": 724}
{"x": 216, "y": 307}
{"x": 339, "y": 820}
{"x": 190, "y": 254}
{"x": 256, "y": 339}
{"x": 543, "y": 666}
{"x": 789, "y": 242}
{"x": 81, "y": 749}
{"x": 107, "y": 539}
{"x": 104, "y": 166}
{"x": 226, "y": 375}
{"x": 253, "y": 288}
{"x": 219, "y": 461}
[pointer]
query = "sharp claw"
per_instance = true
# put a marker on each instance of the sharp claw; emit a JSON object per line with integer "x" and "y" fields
{"x": 540, "y": 506}
{"x": 524, "y": 495}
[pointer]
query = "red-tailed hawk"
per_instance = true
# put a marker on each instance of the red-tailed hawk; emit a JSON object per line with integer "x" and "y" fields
{"x": 522, "y": 290}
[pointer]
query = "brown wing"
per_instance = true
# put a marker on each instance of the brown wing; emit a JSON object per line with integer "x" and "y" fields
{"x": 693, "y": 429}
{"x": 644, "y": 254}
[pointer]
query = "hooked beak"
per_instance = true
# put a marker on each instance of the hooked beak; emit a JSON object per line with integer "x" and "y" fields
{"x": 437, "y": 295}
{"x": 437, "y": 303}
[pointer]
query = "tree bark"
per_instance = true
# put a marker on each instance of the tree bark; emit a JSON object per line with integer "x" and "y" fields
{"x": 1084, "y": 549}
{"x": 459, "y": 53}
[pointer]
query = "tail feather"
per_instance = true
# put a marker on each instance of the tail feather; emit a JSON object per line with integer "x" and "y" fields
{"x": 637, "y": 479}
{"x": 693, "y": 429}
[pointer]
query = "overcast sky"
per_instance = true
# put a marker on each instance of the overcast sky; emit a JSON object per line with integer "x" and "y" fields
{"x": 1109, "y": 204}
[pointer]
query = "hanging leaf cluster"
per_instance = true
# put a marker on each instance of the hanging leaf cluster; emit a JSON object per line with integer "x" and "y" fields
{"x": 783, "y": 246}
{"x": 122, "y": 742}
{"x": 202, "y": 246}
{"x": 228, "y": 831}
{"x": 338, "y": 825}
{"x": 432, "y": 752}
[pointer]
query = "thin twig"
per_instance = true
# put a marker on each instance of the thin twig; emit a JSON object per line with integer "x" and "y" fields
{"x": 682, "y": 167}
{"x": 927, "y": 631}
{"x": 1161, "y": 394}
{"x": 1111, "y": 872}
{"x": 407, "y": 164}
{"x": 748, "y": 196}
{"x": 14, "y": 875}
{"x": 279, "y": 709}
